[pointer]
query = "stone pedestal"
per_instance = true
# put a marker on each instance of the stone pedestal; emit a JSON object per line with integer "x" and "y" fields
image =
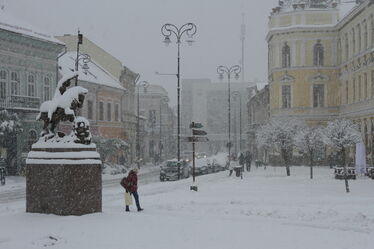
{"x": 63, "y": 180}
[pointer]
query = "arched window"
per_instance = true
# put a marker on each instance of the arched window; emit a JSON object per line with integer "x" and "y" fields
{"x": 318, "y": 54}
{"x": 47, "y": 88}
{"x": 31, "y": 85}
{"x": 3, "y": 83}
{"x": 286, "y": 56}
{"x": 14, "y": 82}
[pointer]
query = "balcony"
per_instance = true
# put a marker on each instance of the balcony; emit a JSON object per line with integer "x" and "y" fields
{"x": 20, "y": 102}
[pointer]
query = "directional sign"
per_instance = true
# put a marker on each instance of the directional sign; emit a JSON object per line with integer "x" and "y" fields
{"x": 196, "y": 139}
{"x": 199, "y": 133}
{"x": 194, "y": 125}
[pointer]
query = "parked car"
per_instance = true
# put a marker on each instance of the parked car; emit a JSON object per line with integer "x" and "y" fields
{"x": 370, "y": 172}
{"x": 173, "y": 170}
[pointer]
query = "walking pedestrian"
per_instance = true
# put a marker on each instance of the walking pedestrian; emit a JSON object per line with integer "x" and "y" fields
{"x": 248, "y": 160}
{"x": 242, "y": 160}
{"x": 130, "y": 183}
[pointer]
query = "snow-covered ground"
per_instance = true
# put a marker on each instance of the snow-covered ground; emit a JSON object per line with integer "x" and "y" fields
{"x": 264, "y": 210}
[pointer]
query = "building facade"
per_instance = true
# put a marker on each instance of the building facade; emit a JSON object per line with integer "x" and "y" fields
{"x": 122, "y": 74}
{"x": 160, "y": 142}
{"x": 28, "y": 73}
{"x": 207, "y": 103}
{"x": 321, "y": 65}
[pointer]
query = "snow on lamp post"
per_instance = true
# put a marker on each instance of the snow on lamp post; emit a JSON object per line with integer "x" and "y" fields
{"x": 223, "y": 70}
{"x": 167, "y": 31}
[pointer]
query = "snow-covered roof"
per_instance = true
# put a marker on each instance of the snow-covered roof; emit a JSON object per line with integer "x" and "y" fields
{"x": 16, "y": 25}
{"x": 261, "y": 85}
{"x": 95, "y": 74}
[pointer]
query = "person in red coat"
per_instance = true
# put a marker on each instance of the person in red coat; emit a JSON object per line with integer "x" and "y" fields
{"x": 131, "y": 185}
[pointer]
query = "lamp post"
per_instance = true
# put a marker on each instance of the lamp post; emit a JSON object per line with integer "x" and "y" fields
{"x": 144, "y": 85}
{"x": 236, "y": 95}
{"x": 163, "y": 100}
{"x": 223, "y": 70}
{"x": 168, "y": 30}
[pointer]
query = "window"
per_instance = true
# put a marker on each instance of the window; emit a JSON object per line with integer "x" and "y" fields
{"x": 109, "y": 111}
{"x": 340, "y": 52}
{"x": 89, "y": 109}
{"x": 372, "y": 83}
{"x": 14, "y": 81}
{"x": 346, "y": 46}
{"x": 365, "y": 86}
{"x": 286, "y": 96}
{"x": 359, "y": 37}
{"x": 31, "y": 85}
{"x": 3, "y": 84}
{"x": 318, "y": 95}
{"x": 365, "y": 36}
{"x": 372, "y": 30}
{"x": 354, "y": 90}
{"x": 116, "y": 113}
{"x": 353, "y": 41}
{"x": 359, "y": 88}
{"x": 346, "y": 92}
{"x": 47, "y": 88}
{"x": 318, "y": 54}
{"x": 152, "y": 118}
{"x": 286, "y": 56}
{"x": 101, "y": 111}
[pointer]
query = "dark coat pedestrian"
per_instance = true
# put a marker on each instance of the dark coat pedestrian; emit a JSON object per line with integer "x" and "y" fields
{"x": 248, "y": 160}
{"x": 241, "y": 159}
{"x": 130, "y": 183}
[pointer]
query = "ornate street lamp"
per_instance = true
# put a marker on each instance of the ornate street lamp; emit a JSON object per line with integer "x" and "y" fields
{"x": 222, "y": 71}
{"x": 167, "y": 31}
{"x": 142, "y": 84}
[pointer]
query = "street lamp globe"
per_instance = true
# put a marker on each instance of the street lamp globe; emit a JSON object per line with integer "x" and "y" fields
{"x": 220, "y": 76}
{"x": 190, "y": 39}
{"x": 237, "y": 76}
{"x": 167, "y": 41}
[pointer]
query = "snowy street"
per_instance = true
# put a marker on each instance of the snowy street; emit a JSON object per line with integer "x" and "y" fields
{"x": 264, "y": 210}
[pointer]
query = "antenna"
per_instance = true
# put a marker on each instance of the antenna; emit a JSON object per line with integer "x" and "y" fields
{"x": 242, "y": 38}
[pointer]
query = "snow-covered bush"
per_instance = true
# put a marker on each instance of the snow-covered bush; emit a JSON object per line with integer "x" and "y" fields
{"x": 10, "y": 125}
{"x": 109, "y": 147}
{"x": 342, "y": 134}
{"x": 279, "y": 135}
{"x": 310, "y": 141}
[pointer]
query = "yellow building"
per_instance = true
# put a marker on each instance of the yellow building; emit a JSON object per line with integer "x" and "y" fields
{"x": 321, "y": 66}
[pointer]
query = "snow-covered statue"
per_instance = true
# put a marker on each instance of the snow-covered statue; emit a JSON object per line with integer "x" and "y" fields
{"x": 63, "y": 107}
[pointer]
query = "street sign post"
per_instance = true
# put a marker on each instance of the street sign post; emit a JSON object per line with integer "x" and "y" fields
{"x": 197, "y": 137}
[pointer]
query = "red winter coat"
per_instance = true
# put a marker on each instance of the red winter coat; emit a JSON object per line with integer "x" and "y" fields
{"x": 132, "y": 182}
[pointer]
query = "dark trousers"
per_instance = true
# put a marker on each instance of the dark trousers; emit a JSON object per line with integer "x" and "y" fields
{"x": 248, "y": 166}
{"x": 136, "y": 197}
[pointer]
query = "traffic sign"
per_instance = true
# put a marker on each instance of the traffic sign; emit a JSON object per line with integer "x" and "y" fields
{"x": 196, "y": 139}
{"x": 194, "y": 125}
{"x": 199, "y": 133}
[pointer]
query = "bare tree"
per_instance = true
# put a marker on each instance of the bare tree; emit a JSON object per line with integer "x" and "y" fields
{"x": 279, "y": 134}
{"x": 310, "y": 141}
{"x": 341, "y": 134}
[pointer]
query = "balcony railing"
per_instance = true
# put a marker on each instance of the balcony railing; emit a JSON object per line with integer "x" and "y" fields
{"x": 20, "y": 102}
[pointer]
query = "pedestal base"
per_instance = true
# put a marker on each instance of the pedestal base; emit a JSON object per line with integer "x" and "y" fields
{"x": 63, "y": 183}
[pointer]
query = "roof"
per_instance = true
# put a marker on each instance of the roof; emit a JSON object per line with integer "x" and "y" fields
{"x": 95, "y": 74}
{"x": 16, "y": 25}
{"x": 261, "y": 85}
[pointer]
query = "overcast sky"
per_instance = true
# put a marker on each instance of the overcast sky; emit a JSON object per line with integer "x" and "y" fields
{"x": 130, "y": 30}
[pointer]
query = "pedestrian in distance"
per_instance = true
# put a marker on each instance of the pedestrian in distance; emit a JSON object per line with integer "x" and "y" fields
{"x": 248, "y": 160}
{"x": 242, "y": 160}
{"x": 130, "y": 183}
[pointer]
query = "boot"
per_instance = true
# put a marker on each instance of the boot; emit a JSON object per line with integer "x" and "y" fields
{"x": 140, "y": 209}
{"x": 127, "y": 209}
